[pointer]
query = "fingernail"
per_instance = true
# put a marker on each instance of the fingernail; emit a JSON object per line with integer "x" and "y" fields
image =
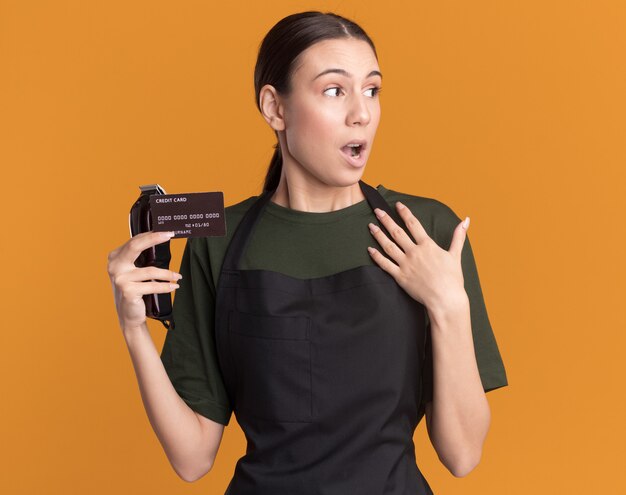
{"x": 174, "y": 286}
{"x": 178, "y": 276}
{"x": 466, "y": 223}
{"x": 379, "y": 213}
{"x": 170, "y": 233}
{"x": 373, "y": 228}
{"x": 400, "y": 205}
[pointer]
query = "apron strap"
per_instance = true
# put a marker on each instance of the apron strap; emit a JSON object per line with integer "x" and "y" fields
{"x": 241, "y": 236}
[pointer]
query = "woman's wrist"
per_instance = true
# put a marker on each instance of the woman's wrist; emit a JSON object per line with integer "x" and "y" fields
{"x": 131, "y": 332}
{"x": 449, "y": 308}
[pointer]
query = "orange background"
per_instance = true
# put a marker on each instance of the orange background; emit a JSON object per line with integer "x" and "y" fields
{"x": 510, "y": 112}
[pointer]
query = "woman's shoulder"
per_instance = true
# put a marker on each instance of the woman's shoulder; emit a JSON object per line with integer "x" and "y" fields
{"x": 233, "y": 215}
{"x": 422, "y": 205}
{"x": 236, "y": 211}
{"x": 209, "y": 251}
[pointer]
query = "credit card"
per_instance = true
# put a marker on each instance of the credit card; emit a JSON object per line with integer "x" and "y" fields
{"x": 189, "y": 214}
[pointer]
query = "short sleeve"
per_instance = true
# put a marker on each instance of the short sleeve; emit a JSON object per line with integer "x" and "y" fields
{"x": 189, "y": 351}
{"x": 488, "y": 358}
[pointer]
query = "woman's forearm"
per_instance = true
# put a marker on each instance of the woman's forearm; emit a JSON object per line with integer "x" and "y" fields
{"x": 174, "y": 422}
{"x": 460, "y": 410}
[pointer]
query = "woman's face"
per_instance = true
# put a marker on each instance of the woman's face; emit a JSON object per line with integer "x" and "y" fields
{"x": 333, "y": 102}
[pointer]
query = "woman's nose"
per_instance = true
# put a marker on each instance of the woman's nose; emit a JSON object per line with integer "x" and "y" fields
{"x": 359, "y": 112}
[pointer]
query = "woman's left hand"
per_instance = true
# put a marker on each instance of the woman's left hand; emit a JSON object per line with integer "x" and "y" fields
{"x": 429, "y": 274}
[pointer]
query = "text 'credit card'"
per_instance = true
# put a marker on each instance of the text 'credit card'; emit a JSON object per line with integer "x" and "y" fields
{"x": 189, "y": 215}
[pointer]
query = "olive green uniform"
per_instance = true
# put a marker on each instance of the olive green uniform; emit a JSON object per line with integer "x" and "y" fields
{"x": 303, "y": 245}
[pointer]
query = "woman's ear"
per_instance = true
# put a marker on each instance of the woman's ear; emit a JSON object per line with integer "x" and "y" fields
{"x": 272, "y": 110}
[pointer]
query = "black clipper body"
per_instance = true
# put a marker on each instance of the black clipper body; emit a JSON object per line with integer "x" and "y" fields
{"x": 158, "y": 306}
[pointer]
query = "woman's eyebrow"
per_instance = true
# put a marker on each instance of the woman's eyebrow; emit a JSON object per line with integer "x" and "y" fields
{"x": 346, "y": 73}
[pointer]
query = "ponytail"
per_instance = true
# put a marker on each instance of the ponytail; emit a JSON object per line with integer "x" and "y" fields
{"x": 272, "y": 178}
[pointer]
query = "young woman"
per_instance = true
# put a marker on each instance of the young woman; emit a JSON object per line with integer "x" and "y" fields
{"x": 332, "y": 316}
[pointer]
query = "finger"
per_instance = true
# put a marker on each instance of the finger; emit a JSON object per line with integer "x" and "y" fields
{"x": 119, "y": 251}
{"x": 152, "y": 273}
{"x": 142, "y": 288}
{"x": 390, "y": 247}
{"x": 134, "y": 246}
{"x": 413, "y": 224}
{"x": 458, "y": 238}
{"x": 397, "y": 233}
{"x": 114, "y": 252}
{"x": 385, "y": 263}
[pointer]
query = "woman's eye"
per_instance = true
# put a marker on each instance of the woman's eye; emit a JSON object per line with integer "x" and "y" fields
{"x": 330, "y": 89}
{"x": 375, "y": 90}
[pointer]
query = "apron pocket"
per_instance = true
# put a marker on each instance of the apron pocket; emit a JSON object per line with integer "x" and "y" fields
{"x": 271, "y": 356}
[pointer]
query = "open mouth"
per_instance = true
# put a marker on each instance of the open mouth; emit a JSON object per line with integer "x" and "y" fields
{"x": 353, "y": 150}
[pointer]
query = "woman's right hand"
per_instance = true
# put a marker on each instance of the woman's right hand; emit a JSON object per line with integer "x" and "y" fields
{"x": 130, "y": 283}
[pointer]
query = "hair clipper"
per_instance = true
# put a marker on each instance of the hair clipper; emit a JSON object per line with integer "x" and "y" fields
{"x": 158, "y": 306}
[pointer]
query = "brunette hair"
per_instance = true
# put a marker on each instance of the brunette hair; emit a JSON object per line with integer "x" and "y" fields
{"x": 279, "y": 49}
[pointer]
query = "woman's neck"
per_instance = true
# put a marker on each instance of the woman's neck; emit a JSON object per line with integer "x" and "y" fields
{"x": 315, "y": 199}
